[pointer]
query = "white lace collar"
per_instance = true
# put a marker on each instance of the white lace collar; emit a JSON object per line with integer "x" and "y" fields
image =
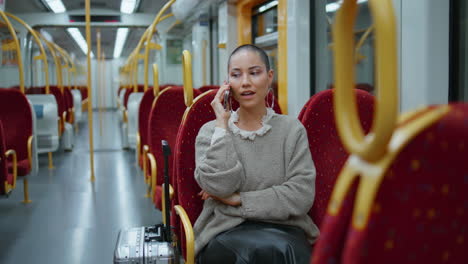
{"x": 245, "y": 134}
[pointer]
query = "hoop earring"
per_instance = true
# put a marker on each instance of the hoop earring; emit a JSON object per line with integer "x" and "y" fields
{"x": 270, "y": 91}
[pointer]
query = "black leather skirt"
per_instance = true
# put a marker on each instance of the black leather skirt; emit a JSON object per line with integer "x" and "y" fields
{"x": 257, "y": 242}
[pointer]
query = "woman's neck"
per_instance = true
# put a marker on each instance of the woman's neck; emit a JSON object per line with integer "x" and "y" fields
{"x": 251, "y": 119}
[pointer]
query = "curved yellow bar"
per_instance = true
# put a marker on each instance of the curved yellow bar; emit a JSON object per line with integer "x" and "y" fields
{"x": 155, "y": 80}
{"x": 66, "y": 64}
{"x": 187, "y": 72}
{"x": 154, "y": 172}
{"x": 189, "y": 236}
{"x": 18, "y": 50}
{"x": 373, "y": 146}
{"x": 54, "y": 57}
{"x": 152, "y": 29}
{"x": 39, "y": 44}
{"x": 71, "y": 64}
{"x": 361, "y": 41}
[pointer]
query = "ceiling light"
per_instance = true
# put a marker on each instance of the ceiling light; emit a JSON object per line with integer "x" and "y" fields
{"x": 55, "y": 5}
{"x": 128, "y": 6}
{"x": 332, "y": 7}
{"x": 120, "y": 41}
{"x": 76, "y": 35}
{"x": 267, "y": 6}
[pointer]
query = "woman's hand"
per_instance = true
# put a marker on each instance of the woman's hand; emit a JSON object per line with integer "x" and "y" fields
{"x": 222, "y": 115}
{"x": 233, "y": 200}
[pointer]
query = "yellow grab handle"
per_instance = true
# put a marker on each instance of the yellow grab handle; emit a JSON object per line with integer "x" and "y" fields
{"x": 373, "y": 146}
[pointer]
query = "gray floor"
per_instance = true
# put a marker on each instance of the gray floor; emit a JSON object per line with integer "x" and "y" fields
{"x": 72, "y": 220}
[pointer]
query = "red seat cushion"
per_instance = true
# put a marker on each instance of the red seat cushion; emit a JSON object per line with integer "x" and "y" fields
{"x": 23, "y": 167}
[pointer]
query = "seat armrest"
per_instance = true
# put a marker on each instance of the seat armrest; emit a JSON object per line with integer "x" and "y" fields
{"x": 189, "y": 236}
{"x": 12, "y": 153}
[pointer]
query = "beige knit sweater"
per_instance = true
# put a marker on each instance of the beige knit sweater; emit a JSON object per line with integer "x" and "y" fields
{"x": 273, "y": 171}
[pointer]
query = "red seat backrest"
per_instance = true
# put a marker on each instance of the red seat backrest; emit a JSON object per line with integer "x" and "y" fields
{"x": 164, "y": 121}
{"x": 60, "y": 99}
{"x": 184, "y": 159}
{"x": 206, "y": 88}
{"x": 35, "y": 90}
{"x": 4, "y": 175}
{"x": 143, "y": 115}
{"x": 126, "y": 96}
{"x": 16, "y": 116}
{"x": 84, "y": 92}
{"x": 420, "y": 213}
{"x": 325, "y": 145}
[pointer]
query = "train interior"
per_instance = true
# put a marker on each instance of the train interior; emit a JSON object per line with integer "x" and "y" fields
{"x": 88, "y": 89}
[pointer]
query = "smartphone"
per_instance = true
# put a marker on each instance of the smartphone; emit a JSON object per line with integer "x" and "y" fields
{"x": 227, "y": 95}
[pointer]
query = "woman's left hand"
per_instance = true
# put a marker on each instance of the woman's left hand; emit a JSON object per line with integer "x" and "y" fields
{"x": 233, "y": 200}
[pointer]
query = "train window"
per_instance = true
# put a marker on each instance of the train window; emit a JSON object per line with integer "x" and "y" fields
{"x": 458, "y": 89}
{"x": 364, "y": 45}
{"x": 265, "y": 34}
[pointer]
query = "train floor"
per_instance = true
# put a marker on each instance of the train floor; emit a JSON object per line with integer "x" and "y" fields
{"x": 71, "y": 219}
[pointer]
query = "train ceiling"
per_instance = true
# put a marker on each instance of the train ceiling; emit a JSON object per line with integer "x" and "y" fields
{"x": 108, "y": 34}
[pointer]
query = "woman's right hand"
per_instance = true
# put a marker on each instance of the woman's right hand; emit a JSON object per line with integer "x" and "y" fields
{"x": 222, "y": 115}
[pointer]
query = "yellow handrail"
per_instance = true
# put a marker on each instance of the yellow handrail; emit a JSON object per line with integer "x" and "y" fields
{"x": 54, "y": 57}
{"x": 188, "y": 81}
{"x": 43, "y": 55}
{"x": 155, "y": 80}
{"x": 18, "y": 50}
{"x": 361, "y": 43}
{"x": 152, "y": 29}
{"x": 373, "y": 146}
{"x": 90, "y": 94}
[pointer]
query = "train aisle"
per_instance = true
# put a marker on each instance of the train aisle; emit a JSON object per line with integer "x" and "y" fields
{"x": 72, "y": 220}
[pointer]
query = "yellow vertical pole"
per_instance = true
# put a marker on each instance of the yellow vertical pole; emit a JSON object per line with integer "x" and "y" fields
{"x": 90, "y": 94}
{"x": 99, "y": 70}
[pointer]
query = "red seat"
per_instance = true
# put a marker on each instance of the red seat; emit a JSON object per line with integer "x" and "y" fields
{"x": 17, "y": 120}
{"x": 325, "y": 145}
{"x": 206, "y": 88}
{"x": 186, "y": 188}
{"x": 84, "y": 93}
{"x": 68, "y": 99}
{"x": 164, "y": 122}
{"x": 419, "y": 214}
{"x": 140, "y": 89}
{"x": 143, "y": 117}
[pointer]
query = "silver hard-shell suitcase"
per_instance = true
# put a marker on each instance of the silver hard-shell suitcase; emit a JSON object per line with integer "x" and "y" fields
{"x": 153, "y": 244}
{"x": 132, "y": 247}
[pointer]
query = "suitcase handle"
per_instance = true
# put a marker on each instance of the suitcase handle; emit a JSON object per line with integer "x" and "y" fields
{"x": 167, "y": 228}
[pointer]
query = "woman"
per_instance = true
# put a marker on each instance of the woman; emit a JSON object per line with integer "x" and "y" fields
{"x": 256, "y": 174}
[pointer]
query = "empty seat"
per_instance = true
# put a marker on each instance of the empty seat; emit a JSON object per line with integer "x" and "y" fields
{"x": 16, "y": 116}
{"x": 164, "y": 121}
{"x": 325, "y": 145}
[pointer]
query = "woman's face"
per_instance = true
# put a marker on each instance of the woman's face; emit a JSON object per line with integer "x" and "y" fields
{"x": 249, "y": 79}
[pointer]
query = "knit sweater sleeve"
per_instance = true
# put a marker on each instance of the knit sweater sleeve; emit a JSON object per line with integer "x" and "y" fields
{"x": 292, "y": 198}
{"x": 218, "y": 169}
